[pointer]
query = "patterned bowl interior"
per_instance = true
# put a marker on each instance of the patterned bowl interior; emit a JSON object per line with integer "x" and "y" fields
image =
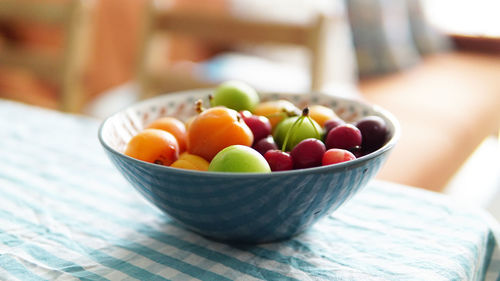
{"x": 120, "y": 127}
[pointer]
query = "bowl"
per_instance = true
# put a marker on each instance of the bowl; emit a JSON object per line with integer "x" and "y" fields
{"x": 243, "y": 207}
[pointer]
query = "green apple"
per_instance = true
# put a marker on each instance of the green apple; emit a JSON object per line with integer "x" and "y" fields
{"x": 303, "y": 129}
{"x": 235, "y": 95}
{"x": 239, "y": 159}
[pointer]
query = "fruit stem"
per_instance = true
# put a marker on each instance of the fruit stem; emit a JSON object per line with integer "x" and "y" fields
{"x": 298, "y": 122}
{"x": 199, "y": 106}
{"x": 305, "y": 112}
{"x": 318, "y": 135}
{"x": 290, "y": 131}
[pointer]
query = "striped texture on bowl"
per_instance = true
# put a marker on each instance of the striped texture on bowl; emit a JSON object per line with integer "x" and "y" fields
{"x": 241, "y": 207}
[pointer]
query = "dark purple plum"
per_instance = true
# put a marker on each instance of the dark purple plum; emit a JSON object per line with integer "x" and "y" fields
{"x": 374, "y": 132}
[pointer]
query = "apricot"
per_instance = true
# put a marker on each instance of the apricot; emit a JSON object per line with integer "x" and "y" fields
{"x": 215, "y": 129}
{"x": 191, "y": 162}
{"x": 188, "y": 122}
{"x": 153, "y": 146}
{"x": 321, "y": 114}
{"x": 276, "y": 110}
{"x": 173, "y": 126}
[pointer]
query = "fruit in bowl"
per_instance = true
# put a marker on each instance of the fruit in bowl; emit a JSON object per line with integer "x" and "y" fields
{"x": 239, "y": 158}
{"x": 235, "y": 95}
{"x": 249, "y": 205}
{"x": 214, "y": 129}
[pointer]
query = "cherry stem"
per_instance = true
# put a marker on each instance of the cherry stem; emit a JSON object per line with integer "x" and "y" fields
{"x": 199, "y": 106}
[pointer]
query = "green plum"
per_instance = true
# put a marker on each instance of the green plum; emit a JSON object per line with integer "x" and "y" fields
{"x": 239, "y": 159}
{"x": 235, "y": 95}
{"x": 304, "y": 128}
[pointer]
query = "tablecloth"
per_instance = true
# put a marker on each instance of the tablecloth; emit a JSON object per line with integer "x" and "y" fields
{"x": 66, "y": 213}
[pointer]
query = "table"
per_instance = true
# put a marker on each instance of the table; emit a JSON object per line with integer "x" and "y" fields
{"x": 66, "y": 213}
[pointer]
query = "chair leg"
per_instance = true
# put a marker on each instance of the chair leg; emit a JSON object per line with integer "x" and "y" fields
{"x": 145, "y": 45}
{"x": 77, "y": 43}
{"x": 317, "y": 57}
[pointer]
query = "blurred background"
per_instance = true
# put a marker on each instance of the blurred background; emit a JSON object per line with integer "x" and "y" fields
{"x": 434, "y": 64}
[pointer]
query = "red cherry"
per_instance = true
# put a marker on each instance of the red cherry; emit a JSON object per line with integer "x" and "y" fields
{"x": 259, "y": 125}
{"x": 307, "y": 153}
{"x": 245, "y": 113}
{"x": 265, "y": 144}
{"x": 344, "y": 136}
{"x": 336, "y": 155}
{"x": 332, "y": 123}
{"x": 278, "y": 160}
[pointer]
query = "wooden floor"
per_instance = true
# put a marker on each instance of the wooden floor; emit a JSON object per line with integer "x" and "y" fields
{"x": 446, "y": 106}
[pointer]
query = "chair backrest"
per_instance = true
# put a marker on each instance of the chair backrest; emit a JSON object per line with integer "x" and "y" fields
{"x": 64, "y": 70}
{"x": 227, "y": 30}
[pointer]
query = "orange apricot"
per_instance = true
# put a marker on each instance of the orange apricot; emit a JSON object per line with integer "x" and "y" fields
{"x": 215, "y": 129}
{"x": 189, "y": 121}
{"x": 191, "y": 162}
{"x": 153, "y": 146}
{"x": 276, "y": 110}
{"x": 321, "y": 114}
{"x": 173, "y": 126}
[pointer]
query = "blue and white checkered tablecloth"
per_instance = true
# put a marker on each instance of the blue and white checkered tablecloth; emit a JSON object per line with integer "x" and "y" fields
{"x": 66, "y": 213}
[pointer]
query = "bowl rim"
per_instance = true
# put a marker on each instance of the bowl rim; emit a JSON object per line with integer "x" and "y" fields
{"x": 314, "y": 170}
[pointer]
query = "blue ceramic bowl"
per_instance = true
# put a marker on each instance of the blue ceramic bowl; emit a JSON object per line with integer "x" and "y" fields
{"x": 242, "y": 207}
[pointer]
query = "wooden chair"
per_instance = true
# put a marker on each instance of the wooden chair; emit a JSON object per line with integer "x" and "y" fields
{"x": 63, "y": 70}
{"x": 226, "y": 31}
